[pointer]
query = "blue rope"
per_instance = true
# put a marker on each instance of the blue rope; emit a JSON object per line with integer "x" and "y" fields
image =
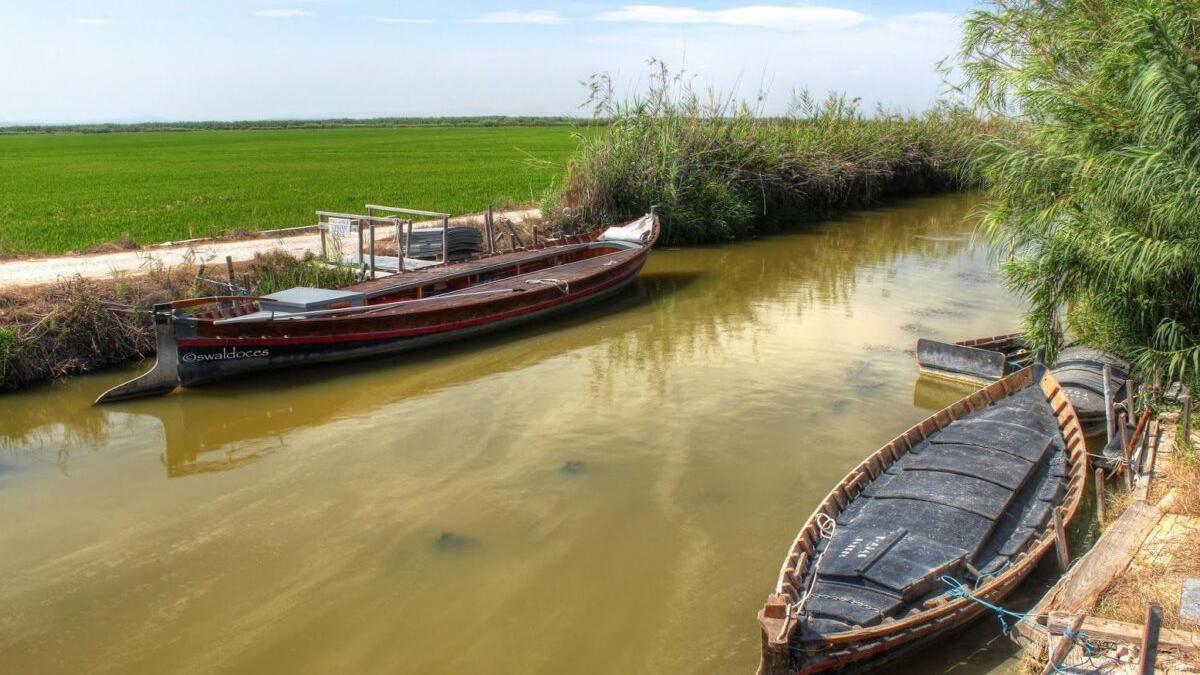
{"x": 960, "y": 590}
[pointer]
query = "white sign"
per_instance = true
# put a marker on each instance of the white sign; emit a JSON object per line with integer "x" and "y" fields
{"x": 341, "y": 227}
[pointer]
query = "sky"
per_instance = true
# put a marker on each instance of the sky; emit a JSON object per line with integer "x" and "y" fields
{"x": 70, "y": 61}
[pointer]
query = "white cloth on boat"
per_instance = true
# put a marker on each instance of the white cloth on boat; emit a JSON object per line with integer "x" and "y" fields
{"x": 637, "y": 232}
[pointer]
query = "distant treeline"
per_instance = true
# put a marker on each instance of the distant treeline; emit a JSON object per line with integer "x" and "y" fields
{"x": 338, "y": 123}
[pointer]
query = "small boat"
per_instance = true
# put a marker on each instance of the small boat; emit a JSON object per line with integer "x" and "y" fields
{"x": 981, "y": 360}
{"x": 958, "y": 509}
{"x": 205, "y": 339}
{"x": 1080, "y": 371}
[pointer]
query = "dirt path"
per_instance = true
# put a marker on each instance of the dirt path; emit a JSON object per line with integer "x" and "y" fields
{"x": 37, "y": 271}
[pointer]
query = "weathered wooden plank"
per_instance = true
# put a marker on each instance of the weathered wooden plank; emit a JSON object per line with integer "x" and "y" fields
{"x": 1080, "y": 588}
{"x": 1095, "y": 571}
{"x": 1060, "y": 648}
{"x": 1108, "y": 630}
{"x": 1142, "y": 492}
{"x": 1060, "y": 541}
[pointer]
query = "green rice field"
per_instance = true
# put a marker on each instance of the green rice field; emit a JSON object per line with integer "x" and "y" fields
{"x": 75, "y": 192}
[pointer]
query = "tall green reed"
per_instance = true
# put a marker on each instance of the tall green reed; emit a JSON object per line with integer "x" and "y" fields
{"x": 719, "y": 170}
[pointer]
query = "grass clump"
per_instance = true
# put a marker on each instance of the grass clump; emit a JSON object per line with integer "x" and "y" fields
{"x": 277, "y": 271}
{"x": 70, "y": 327}
{"x": 720, "y": 171}
{"x": 1095, "y": 202}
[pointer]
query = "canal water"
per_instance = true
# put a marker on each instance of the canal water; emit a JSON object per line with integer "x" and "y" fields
{"x": 609, "y": 492}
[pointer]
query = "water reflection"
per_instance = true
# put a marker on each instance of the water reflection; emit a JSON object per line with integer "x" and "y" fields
{"x": 934, "y": 393}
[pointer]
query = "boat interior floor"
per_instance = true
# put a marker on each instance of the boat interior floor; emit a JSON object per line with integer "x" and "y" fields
{"x": 965, "y": 500}
{"x": 400, "y": 283}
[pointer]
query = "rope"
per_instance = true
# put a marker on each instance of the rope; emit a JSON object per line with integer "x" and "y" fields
{"x": 558, "y": 283}
{"x": 828, "y": 527}
{"x": 960, "y": 590}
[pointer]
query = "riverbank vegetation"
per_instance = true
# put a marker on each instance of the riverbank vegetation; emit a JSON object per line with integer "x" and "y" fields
{"x": 1096, "y": 203}
{"x": 79, "y": 325}
{"x": 719, "y": 171}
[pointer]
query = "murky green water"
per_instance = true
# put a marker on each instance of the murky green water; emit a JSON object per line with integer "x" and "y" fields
{"x": 610, "y": 492}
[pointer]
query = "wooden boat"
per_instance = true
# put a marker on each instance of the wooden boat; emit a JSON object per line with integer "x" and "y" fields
{"x": 980, "y": 360}
{"x": 961, "y": 503}
{"x": 1080, "y": 370}
{"x": 206, "y": 339}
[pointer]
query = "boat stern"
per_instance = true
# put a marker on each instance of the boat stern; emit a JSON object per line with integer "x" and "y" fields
{"x": 163, "y": 378}
{"x": 777, "y": 623}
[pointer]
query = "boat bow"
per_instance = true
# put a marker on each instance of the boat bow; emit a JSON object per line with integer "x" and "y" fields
{"x": 163, "y": 378}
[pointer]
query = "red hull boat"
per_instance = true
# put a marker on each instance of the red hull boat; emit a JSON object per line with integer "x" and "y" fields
{"x": 206, "y": 339}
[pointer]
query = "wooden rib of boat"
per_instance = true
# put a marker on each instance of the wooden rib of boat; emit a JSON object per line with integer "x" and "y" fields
{"x": 206, "y": 339}
{"x": 965, "y": 497}
{"x": 980, "y": 360}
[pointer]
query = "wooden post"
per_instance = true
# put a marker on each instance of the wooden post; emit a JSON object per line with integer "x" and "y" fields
{"x": 1131, "y": 398}
{"x": 1060, "y": 541}
{"x": 1059, "y": 650}
{"x": 399, "y": 255}
{"x": 321, "y": 227}
{"x": 445, "y": 240}
{"x": 1149, "y": 653}
{"x": 1126, "y": 470}
{"x": 1109, "y": 396}
{"x": 372, "y": 226}
{"x": 535, "y": 236}
{"x": 489, "y": 231}
{"x": 407, "y": 241}
{"x": 359, "y": 256}
{"x": 1141, "y": 456}
{"x": 1152, "y": 457}
{"x": 246, "y": 283}
{"x": 1100, "y": 494}
{"x": 1187, "y": 419}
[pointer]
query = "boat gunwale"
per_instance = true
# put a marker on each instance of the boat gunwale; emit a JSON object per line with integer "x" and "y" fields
{"x": 796, "y": 562}
{"x": 628, "y": 270}
{"x": 429, "y": 303}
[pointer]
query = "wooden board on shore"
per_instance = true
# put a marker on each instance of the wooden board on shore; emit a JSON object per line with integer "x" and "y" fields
{"x": 1108, "y": 630}
{"x": 1081, "y": 587}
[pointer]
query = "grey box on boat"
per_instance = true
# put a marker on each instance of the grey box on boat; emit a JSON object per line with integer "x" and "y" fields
{"x": 305, "y": 299}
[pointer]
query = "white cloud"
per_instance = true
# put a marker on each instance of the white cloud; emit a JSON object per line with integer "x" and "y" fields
{"x": 537, "y": 16}
{"x": 282, "y": 13}
{"x": 788, "y": 17}
{"x": 395, "y": 19}
{"x": 92, "y": 20}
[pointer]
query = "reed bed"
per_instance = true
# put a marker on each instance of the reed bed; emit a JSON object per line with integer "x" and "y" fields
{"x": 719, "y": 171}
